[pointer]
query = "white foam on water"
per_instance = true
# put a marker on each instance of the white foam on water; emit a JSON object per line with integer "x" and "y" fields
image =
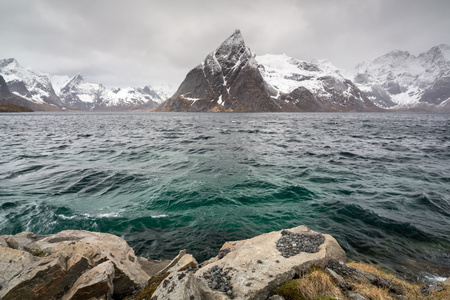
{"x": 435, "y": 278}
{"x": 66, "y": 217}
{"x": 159, "y": 216}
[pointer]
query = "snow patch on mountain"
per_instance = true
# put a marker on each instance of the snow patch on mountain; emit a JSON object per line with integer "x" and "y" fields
{"x": 164, "y": 91}
{"x": 75, "y": 92}
{"x": 401, "y": 80}
{"x": 285, "y": 74}
{"x": 27, "y": 83}
{"x": 58, "y": 81}
{"x": 78, "y": 93}
{"x": 78, "y": 87}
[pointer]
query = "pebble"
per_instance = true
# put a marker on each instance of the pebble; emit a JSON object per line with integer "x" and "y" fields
{"x": 218, "y": 279}
{"x": 291, "y": 244}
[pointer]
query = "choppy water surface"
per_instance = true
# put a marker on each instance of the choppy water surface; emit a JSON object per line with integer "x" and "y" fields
{"x": 379, "y": 183}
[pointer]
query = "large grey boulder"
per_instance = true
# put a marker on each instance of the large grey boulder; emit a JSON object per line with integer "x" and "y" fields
{"x": 252, "y": 268}
{"x": 12, "y": 263}
{"x": 68, "y": 264}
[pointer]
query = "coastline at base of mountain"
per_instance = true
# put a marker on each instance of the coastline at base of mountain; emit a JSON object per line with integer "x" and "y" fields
{"x": 13, "y": 108}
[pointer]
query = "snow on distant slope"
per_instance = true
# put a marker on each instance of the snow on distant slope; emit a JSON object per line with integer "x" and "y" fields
{"x": 24, "y": 82}
{"x": 401, "y": 80}
{"x": 285, "y": 74}
{"x": 130, "y": 96}
{"x": 58, "y": 81}
{"x": 77, "y": 93}
{"x": 164, "y": 91}
{"x": 77, "y": 87}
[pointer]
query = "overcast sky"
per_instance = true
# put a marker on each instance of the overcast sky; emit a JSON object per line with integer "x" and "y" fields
{"x": 139, "y": 42}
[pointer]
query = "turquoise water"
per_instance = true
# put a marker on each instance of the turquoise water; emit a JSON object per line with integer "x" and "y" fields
{"x": 379, "y": 183}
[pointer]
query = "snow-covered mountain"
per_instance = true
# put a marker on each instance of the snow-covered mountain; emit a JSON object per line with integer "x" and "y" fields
{"x": 399, "y": 80}
{"x": 311, "y": 86}
{"x": 36, "y": 88}
{"x": 76, "y": 93}
{"x": 63, "y": 92}
{"x": 227, "y": 80}
{"x": 232, "y": 78}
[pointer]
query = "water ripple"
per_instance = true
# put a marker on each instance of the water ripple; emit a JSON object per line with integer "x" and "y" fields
{"x": 379, "y": 183}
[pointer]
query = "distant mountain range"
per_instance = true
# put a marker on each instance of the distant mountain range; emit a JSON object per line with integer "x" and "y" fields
{"x": 233, "y": 79}
{"x": 43, "y": 92}
{"x": 399, "y": 80}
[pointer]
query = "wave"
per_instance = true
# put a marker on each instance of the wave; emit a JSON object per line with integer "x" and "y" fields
{"x": 378, "y": 183}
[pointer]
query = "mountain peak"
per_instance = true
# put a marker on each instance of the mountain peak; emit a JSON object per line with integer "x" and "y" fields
{"x": 396, "y": 55}
{"x": 234, "y": 45}
{"x": 235, "y": 39}
{"x": 440, "y": 50}
{"x": 72, "y": 83}
{"x": 227, "y": 80}
{"x": 232, "y": 53}
{"x": 78, "y": 77}
{"x": 76, "y": 80}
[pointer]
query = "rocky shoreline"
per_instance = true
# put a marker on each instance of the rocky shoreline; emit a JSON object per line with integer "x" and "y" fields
{"x": 77, "y": 264}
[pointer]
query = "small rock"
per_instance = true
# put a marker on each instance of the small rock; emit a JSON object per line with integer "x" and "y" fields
{"x": 181, "y": 287}
{"x": 446, "y": 282}
{"x": 385, "y": 283}
{"x": 355, "y": 296}
{"x": 223, "y": 252}
{"x": 181, "y": 262}
{"x": 21, "y": 240}
{"x": 437, "y": 287}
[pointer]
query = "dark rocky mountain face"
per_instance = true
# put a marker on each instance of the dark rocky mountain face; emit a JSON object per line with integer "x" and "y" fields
{"x": 227, "y": 80}
{"x": 4, "y": 90}
{"x": 17, "y": 103}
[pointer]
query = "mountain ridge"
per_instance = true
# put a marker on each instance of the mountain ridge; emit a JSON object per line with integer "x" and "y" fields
{"x": 74, "y": 93}
{"x": 227, "y": 80}
{"x": 234, "y": 79}
{"x": 12, "y": 102}
{"x": 400, "y": 80}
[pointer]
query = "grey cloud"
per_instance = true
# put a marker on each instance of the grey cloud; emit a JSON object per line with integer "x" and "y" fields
{"x": 139, "y": 42}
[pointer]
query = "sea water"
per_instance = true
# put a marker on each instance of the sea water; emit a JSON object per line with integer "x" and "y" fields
{"x": 379, "y": 183}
